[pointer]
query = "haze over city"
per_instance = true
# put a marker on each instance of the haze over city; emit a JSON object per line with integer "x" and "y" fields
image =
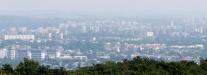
{"x": 103, "y": 37}
{"x": 106, "y": 7}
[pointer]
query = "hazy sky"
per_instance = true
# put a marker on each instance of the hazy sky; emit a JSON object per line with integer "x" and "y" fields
{"x": 126, "y": 7}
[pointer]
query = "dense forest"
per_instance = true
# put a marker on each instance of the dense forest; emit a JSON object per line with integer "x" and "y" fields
{"x": 137, "y": 66}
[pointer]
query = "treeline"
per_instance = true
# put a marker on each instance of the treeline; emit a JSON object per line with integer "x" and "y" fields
{"x": 145, "y": 66}
{"x": 137, "y": 66}
{"x": 31, "y": 67}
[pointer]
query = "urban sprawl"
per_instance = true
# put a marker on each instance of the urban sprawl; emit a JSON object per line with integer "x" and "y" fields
{"x": 84, "y": 41}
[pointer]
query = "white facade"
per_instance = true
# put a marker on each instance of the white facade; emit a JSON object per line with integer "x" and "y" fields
{"x": 2, "y": 53}
{"x": 150, "y": 34}
{"x": 53, "y": 54}
{"x": 61, "y": 36}
{"x": 21, "y": 37}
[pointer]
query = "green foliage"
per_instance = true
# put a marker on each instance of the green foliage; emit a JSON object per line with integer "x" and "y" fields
{"x": 31, "y": 67}
{"x": 6, "y": 69}
{"x": 137, "y": 66}
{"x": 145, "y": 66}
{"x": 27, "y": 67}
{"x": 43, "y": 70}
{"x": 58, "y": 71}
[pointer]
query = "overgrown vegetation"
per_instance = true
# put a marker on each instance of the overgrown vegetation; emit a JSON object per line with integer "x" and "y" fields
{"x": 137, "y": 66}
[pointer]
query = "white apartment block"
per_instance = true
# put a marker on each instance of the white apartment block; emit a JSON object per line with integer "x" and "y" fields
{"x": 21, "y": 37}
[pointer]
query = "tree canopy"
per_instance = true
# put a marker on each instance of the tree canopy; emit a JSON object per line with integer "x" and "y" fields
{"x": 137, "y": 66}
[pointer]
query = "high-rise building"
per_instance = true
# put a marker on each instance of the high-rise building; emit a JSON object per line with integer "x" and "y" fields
{"x": 11, "y": 53}
{"x": 38, "y": 54}
{"x": 22, "y": 53}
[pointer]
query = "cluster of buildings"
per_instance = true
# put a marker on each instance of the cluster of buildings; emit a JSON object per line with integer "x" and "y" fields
{"x": 83, "y": 42}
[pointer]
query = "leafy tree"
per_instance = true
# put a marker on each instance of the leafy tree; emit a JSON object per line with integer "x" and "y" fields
{"x": 43, "y": 70}
{"x": 6, "y": 68}
{"x": 27, "y": 67}
{"x": 58, "y": 71}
